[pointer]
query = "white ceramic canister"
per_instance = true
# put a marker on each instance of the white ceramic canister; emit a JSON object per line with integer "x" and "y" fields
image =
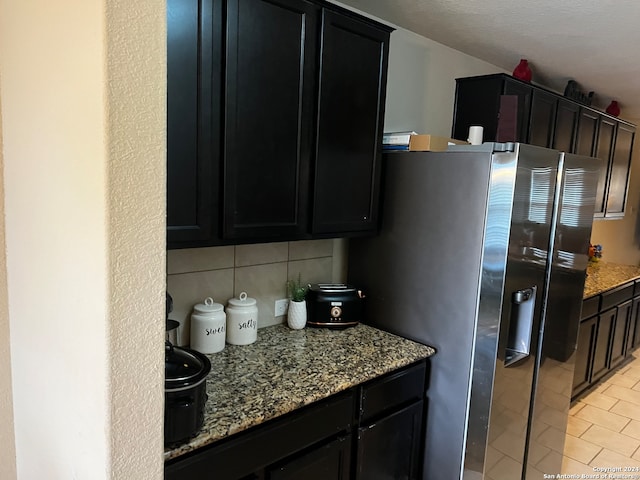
{"x": 242, "y": 320}
{"x": 208, "y": 327}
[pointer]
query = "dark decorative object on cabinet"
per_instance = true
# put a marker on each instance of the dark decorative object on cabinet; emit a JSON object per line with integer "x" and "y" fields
{"x": 613, "y": 108}
{"x": 573, "y": 92}
{"x": 523, "y": 71}
{"x": 511, "y": 110}
{"x": 258, "y": 150}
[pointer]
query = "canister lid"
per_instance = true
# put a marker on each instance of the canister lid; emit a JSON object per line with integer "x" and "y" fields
{"x": 209, "y": 306}
{"x": 242, "y": 301}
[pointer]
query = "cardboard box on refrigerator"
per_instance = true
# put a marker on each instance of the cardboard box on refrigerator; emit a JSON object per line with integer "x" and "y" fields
{"x": 432, "y": 143}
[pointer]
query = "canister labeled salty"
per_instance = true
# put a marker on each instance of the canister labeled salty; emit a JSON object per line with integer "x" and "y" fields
{"x": 208, "y": 327}
{"x": 242, "y": 320}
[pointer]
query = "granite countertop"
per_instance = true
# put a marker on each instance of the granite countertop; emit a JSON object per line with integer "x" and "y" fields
{"x": 603, "y": 276}
{"x": 287, "y": 369}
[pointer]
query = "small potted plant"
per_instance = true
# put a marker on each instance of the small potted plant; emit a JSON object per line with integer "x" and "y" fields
{"x": 297, "y": 314}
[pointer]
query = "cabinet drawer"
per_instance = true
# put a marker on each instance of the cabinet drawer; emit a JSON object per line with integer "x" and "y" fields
{"x": 590, "y": 306}
{"x": 258, "y": 447}
{"x": 617, "y": 296}
{"x": 388, "y": 393}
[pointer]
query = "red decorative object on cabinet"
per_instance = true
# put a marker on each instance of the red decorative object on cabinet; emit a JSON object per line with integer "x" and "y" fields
{"x": 522, "y": 71}
{"x": 613, "y": 108}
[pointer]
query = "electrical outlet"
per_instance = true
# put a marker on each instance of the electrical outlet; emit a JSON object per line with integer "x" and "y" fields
{"x": 281, "y": 307}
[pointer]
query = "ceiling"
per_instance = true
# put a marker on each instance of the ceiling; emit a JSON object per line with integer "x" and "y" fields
{"x": 594, "y": 42}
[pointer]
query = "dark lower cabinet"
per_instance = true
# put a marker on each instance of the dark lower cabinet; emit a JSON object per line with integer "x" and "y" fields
{"x": 620, "y": 333}
{"x": 372, "y": 431}
{"x": 609, "y": 332}
{"x": 633, "y": 339}
{"x": 606, "y": 322}
{"x": 330, "y": 461}
{"x": 584, "y": 354}
{"x": 390, "y": 448}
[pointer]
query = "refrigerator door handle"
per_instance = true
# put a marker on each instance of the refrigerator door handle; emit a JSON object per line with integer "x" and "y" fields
{"x": 518, "y": 346}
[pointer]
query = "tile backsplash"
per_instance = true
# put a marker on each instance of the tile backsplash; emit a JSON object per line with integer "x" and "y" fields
{"x": 261, "y": 270}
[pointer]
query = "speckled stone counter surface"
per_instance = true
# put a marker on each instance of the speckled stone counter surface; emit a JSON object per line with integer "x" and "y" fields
{"x": 603, "y": 276}
{"x": 286, "y": 369}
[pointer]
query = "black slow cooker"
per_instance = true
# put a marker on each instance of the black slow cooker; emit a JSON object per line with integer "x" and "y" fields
{"x": 185, "y": 392}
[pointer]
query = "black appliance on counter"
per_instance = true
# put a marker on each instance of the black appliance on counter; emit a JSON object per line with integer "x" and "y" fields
{"x": 185, "y": 396}
{"x": 333, "y": 305}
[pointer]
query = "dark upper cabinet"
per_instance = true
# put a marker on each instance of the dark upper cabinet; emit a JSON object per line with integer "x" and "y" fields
{"x": 275, "y": 114}
{"x": 603, "y": 150}
{"x": 542, "y": 120}
{"x": 350, "y": 118}
{"x": 193, "y": 122}
{"x": 619, "y": 172}
{"x": 499, "y": 103}
{"x": 511, "y": 110}
{"x": 587, "y": 132}
{"x": 269, "y": 99}
{"x": 566, "y": 126}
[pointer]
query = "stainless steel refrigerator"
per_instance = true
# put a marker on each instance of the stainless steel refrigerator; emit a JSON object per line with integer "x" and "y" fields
{"x": 462, "y": 264}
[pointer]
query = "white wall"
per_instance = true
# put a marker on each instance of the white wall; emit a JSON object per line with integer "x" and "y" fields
{"x": 83, "y": 131}
{"x": 7, "y": 437}
{"x": 421, "y": 83}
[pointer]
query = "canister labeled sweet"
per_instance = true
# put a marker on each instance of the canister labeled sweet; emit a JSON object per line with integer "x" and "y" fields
{"x": 242, "y": 320}
{"x": 208, "y": 327}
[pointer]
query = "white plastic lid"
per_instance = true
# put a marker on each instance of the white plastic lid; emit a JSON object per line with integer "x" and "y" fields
{"x": 242, "y": 300}
{"x": 209, "y": 306}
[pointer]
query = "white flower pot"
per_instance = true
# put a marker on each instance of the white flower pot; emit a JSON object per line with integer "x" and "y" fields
{"x": 297, "y": 315}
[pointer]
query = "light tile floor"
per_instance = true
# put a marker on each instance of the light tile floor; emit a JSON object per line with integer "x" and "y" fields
{"x": 604, "y": 428}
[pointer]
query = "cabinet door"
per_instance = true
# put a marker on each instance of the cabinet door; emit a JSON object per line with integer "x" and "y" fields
{"x": 477, "y": 103}
{"x": 331, "y": 461}
{"x": 601, "y": 355}
{"x": 620, "y": 166}
{"x": 619, "y": 333}
{"x": 584, "y": 354}
{"x": 604, "y": 146}
{"x": 587, "y": 132}
{"x": 633, "y": 338}
{"x": 390, "y": 447}
{"x": 542, "y": 120}
{"x": 193, "y": 124}
{"x": 564, "y": 133}
{"x": 269, "y": 87}
{"x": 350, "y": 118}
{"x": 524, "y": 94}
